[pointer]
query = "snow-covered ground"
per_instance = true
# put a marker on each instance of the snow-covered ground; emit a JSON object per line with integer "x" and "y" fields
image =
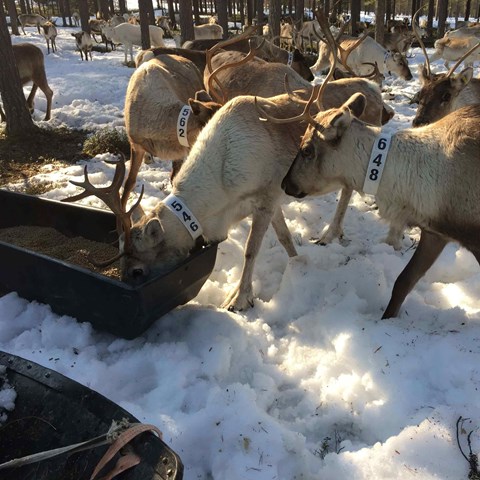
{"x": 310, "y": 383}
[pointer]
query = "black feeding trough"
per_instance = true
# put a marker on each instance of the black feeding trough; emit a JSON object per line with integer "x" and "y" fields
{"x": 108, "y": 304}
{"x": 52, "y": 411}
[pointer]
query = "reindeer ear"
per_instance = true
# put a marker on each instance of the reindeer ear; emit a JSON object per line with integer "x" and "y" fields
{"x": 203, "y": 96}
{"x": 203, "y": 109}
{"x": 460, "y": 81}
{"x": 153, "y": 231}
{"x": 356, "y": 104}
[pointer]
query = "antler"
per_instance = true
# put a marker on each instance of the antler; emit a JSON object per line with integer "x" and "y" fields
{"x": 419, "y": 39}
{"x": 460, "y": 60}
{"x": 329, "y": 37}
{"x": 212, "y": 77}
{"x": 345, "y": 52}
{"x": 111, "y": 197}
{"x": 317, "y": 92}
{"x": 218, "y": 46}
{"x": 305, "y": 115}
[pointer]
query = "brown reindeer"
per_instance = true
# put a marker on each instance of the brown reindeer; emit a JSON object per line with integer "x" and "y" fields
{"x": 31, "y": 67}
{"x": 444, "y": 92}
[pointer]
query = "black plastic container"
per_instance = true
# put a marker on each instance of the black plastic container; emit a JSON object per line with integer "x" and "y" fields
{"x": 106, "y": 303}
{"x": 53, "y": 411}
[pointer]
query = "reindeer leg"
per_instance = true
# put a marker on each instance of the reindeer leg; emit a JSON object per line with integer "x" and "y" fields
{"x": 241, "y": 297}
{"x": 335, "y": 229}
{"x": 283, "y": 233}
{"x": 428, "y": 250}
{"x": 31, "y": 97}
{"x": 395, "y": 234}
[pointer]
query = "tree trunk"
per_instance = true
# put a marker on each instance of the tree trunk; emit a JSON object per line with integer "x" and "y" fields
{"x": 431, "y": 13}
{"x": 196, "y": 12}
{"x": 379, "y": 21}
{"x": 299, "y": 11}
{"x": 274, "y": 19}
{"x": 241, "y": 8}
{"x": 103, "y": 4}
{"x": 388, "y": 10}
{"x": 260, "y": 15}
{"x": 171, "y": 13}
{"x": 415, "y": 6}
{"x": 18, "y": 118}
{"x": 250, "y": 10}
{"x": 150, "y": 12}
{"x": 222, "y": 13}
{"x": 23, "y": 7}
{"x": 12, "y": 13}
{"x": 84, "y": 15}
{"x": 144, "y": 23}
{"x": 186, "y": 21}
{"x": 355, "y": 17}
{"x": 122, "y": 6}
{"x": 468, "y": 6}
{"x": 442, "y": 6}
{"x": 61, "y": 7}
{"x": 68, "y": 12}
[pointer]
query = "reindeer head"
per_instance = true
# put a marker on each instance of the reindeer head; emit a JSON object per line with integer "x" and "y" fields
{"x": 397, "y": 63}
{"x": 314, "y": 169}
{"x": 436, "y": 98}
{"x": 152, "y": 251}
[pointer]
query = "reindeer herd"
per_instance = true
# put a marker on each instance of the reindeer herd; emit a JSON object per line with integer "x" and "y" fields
{"x": 243, "y": 126}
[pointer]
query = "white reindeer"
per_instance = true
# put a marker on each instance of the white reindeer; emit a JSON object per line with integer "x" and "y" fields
{"x": 369, "y": 51}
{"x": 76, "y": 19}
{"x": 430, "y": 178}
{"x": 208, "y": 31}
{"x": 129, "y": 35}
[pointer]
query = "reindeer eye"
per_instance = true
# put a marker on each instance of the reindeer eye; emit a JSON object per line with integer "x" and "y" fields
{"x": 308, "y": 150}
{"x": 446, "y": 97}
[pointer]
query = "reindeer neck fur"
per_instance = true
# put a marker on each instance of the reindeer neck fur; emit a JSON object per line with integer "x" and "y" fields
{"x": 423, "y": 166}
{"x": 237, "y": 164}
{"x": 152, "y": 106}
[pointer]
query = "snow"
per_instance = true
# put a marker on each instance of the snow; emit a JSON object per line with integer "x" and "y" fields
{"x": 308, "y": 384}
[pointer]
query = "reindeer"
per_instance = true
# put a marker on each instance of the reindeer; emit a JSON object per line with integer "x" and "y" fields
{"x": 445, "y": 92}
{"x": 239, "y": 162}
{"x": 451, "y": 49}
{"x": 425, "y": 177}
{"x": 198, "y": 57}
{"x": 31, "y": 20}
{"x": 368, "y": 51}
{"x": 209, "y": 31}
{"x": 50, "y": 34}
{"x": 465, "y": 32}
{"x": 84, "y": 44}
{"x": 31, "y": 67}
{"x": 165, "y": 109}
{"x": 267, "y": 80}
{"x": 266, "y": 50}
{"x": 129, "y": 35}
{"x": 76, "y": 19}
